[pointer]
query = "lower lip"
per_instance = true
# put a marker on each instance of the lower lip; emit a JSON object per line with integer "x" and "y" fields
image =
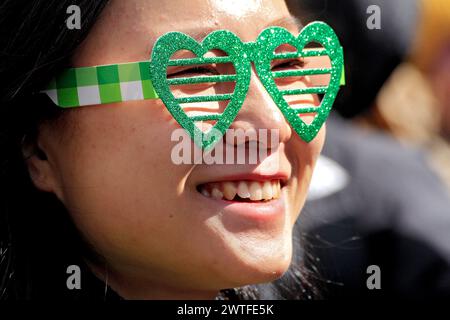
{"x": 258, "y": 211}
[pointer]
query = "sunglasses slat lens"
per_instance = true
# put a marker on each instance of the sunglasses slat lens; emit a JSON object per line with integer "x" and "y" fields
{"x": 206, "y": 117}
{"x": 305, "y": 110}
{"x": 202, "y": 79}
{"x": 197, "y": 61}
{"x": 317, "y": 90}
{"x": 305, "y": 53}
{"x": 300, "y": 72}
{"x": 218, "y": 97}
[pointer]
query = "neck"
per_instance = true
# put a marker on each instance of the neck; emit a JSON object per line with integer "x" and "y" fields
{"x": 133, "y": 288}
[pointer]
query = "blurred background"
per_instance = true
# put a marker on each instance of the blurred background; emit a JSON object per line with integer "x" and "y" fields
{"x": 380, "y": 193}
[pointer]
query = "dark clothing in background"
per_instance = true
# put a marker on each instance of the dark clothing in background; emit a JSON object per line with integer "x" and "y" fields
{"x": 393, "y": 213}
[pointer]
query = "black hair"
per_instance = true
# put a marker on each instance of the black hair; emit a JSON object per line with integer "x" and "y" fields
{"x": 38, "y": 240}
{"x": 37, "y": 236}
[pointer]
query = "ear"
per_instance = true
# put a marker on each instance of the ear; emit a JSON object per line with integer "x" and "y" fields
{"x": 42, "y": 172}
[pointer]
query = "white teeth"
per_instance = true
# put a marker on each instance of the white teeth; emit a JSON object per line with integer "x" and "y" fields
{"x": 267, "y": 190}
{"x": 216, "y": 193}
{"x": 276, "y": 189}
{"x": 273, "y": 185}
{"x": 205, "y": 192}
{"x": 229, "y": 190}
{"x": 242, "y": 190}
{"x": 253, "y": 190}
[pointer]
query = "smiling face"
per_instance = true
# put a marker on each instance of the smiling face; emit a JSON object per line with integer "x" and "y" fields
{"x": 166, "y": 229}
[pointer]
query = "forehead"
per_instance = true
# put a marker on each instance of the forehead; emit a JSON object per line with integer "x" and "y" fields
{"x": 127, "y": 30}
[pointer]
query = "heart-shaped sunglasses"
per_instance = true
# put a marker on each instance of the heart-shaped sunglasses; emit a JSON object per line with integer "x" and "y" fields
{"x": 141, "y": 80}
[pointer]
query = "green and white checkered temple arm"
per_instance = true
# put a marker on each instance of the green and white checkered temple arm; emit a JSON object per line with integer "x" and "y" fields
{"x": 84, "y": 86}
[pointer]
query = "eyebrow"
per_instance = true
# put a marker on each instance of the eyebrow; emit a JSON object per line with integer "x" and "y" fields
{"x": 196, "y": 33}
{"x": 287, "y": 22}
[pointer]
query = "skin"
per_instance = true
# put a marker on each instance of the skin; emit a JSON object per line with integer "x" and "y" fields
{"x": 111, "y": 167}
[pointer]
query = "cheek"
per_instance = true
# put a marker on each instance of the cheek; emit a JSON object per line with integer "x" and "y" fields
{"x": 118, "y": 187}
{"x": 309, "y": 156}
{"x": 304, "y": 154}
{"x": 303, "y": 157}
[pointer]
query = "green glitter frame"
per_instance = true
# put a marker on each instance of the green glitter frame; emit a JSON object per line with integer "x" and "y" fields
{"x": 148, "y": 79}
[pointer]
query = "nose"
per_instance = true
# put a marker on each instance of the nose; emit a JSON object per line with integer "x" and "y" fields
{"x": 260, "y": 112}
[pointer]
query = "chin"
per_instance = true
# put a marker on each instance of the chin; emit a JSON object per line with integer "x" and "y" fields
{"x": 259, "y": 263}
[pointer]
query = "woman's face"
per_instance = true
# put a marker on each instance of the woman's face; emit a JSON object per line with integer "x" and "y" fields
{"x": 145, "y": 215}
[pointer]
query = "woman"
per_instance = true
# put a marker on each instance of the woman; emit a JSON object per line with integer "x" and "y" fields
{"x": 95, "y": 187}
